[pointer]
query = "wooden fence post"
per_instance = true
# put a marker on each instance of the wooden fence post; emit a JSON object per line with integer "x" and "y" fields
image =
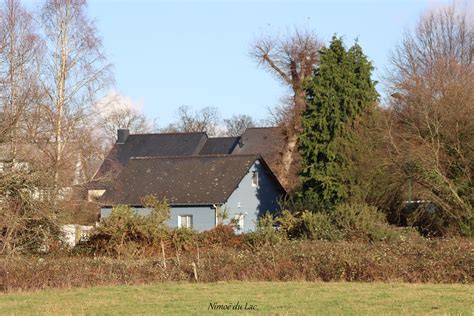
{"x": 195, "y": 271}
{"x": 3, "y": 281}
{"x": 163, "y": 252}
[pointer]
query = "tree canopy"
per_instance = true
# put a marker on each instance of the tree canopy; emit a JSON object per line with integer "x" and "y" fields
{"x": 339, "y": 92}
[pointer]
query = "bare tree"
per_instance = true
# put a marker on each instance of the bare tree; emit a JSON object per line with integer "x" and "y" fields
{"x": 279, "y": 114}
{"x": 19, "y": 50}
{"x": 204, "y": 120}
{"x": 75, "y": 71}
{"x": 116, "y": 112}
{"x": 125, "y": 117}
{"x": 291, "y": 59}
{"x": 432, "y": 84}
{"x": 237, "y": 124}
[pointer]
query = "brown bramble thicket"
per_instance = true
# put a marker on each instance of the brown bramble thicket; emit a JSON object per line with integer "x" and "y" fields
{"x": 417, "y": 261}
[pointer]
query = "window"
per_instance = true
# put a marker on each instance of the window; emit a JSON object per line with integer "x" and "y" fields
{"x": 185, "y": 221}
{"x": 254, "y": 178}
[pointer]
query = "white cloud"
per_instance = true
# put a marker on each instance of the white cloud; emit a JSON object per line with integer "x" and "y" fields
{"x": 115, "y": 100}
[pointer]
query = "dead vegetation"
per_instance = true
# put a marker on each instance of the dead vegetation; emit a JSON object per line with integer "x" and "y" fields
{"x": 438, "y": 261}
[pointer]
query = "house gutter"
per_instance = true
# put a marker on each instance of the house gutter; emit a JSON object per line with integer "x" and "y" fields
{"x": 171, "y": 204}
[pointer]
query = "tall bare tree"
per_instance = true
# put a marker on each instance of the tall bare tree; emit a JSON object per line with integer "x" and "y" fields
{"x": 125, "y": 117}
{"x": 237, "y": 124}
{"x": 206, "y": 120}
{"x": 20, "y": 46}
{"x": 432, "y": 84}
{"x": 75, "y": 71}
{"x": 116, "y": 111}
{"x": 291, "y": 59}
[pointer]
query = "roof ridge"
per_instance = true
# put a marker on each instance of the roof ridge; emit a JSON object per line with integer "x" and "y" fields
{"x": 263, "y": 127}
{"x": 171, "y": 133}
{"x": 216, "y": 137}
{"x": 195, "y": 156}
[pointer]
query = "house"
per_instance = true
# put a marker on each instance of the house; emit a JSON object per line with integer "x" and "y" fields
{"x": 200, "y": 177}
{"x": 35, "y": 156}
{"x": 199, "y": 188}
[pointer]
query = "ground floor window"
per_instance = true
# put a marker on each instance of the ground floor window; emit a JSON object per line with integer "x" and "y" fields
{"x": 185, "y": 221}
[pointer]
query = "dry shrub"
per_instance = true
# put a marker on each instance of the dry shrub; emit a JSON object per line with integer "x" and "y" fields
{"x": 183, "y": 239}
{"x": 413, "y": 260}
{"x": 222, "y": 236}
{"x": 220, "y": 233}
{"x": 265, "y": 234}
{"x": 362, "y": 221}
{"x": 308, "y": 225}
{"x": 128, "y": 234}
{"x": 349, "y": 221}
{"x": 28, "y": 215}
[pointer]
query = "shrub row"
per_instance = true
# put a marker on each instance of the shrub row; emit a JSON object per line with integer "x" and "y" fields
{"x": 438, "y": 261}
{"x": 125, "y": 234}
{"x": 356, "y": 221}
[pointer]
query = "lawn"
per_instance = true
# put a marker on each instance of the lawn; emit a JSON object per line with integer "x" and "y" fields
{"x": 259, "y": 297}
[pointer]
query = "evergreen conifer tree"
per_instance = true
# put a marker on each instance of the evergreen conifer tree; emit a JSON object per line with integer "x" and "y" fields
{"x": 338, "y": 94}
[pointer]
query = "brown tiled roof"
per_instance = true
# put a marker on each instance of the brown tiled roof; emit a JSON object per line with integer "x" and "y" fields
{"x": 181, "y": 180}
{"x": 219, "y": 146}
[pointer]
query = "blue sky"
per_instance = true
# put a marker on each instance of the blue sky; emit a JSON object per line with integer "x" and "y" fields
{"x": 168, "y": 54}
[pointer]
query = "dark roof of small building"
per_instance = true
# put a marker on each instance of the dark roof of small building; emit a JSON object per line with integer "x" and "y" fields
{"x": 150, "y": 145}
{"x": 266, "y": 141}
{"x": 219, "y": 146}
{"x": 196, "y": 180}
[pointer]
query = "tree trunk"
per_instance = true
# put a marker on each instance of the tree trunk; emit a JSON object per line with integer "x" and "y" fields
{"x": 13, "y": 120}
{"x": 292, "y": 132}
{"x": 60, "y": 83}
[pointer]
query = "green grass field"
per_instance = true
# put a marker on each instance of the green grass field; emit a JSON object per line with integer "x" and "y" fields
{"x": 264, "y": 297}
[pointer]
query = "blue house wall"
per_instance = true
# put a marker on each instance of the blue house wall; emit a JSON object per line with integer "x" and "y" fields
{"x": 250, "y": 201}
{"x": 247, "y": 200}
{"x": 204, "y": 217}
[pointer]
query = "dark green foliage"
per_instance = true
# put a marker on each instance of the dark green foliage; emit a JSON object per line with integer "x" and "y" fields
{"x": 319, "y": 226}
{"x": 340, "y": 91}
{"x": 467, "y": 227}
{"x": 361, "y": 221}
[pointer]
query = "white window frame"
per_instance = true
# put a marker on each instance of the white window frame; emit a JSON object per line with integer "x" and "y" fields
{"x": 255, "y": 178}
{"x": 188, "y": 222}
